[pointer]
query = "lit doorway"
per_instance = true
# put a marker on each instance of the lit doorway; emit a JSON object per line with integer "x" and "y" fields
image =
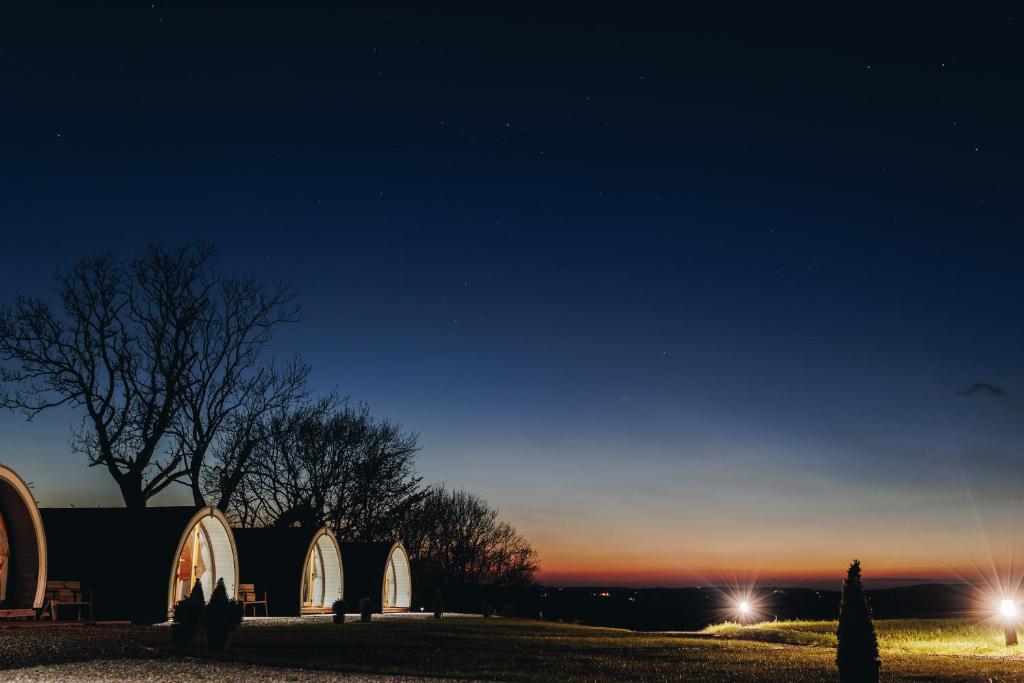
{"x": 196, "y": 563}
{"x": 313, "y": 579}
{"x": 5, "y": 554}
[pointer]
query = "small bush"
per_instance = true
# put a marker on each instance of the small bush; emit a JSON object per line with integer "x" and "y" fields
{"x": 487, "y": 610}
{"x": 339, "y": 611}
{"x": 508, "y": 611}
{"x": 438, "y": 604}
{"x": 188, "y": 615}
{"x": 223, "y": 615}
{"x": 365, "y": 610}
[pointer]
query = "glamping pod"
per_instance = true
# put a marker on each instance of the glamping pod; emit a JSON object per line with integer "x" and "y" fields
{"x": 138, "y": 563}
{"x": 300, "y": 569}
{"x": 379, "y": 571}
{"x": 22, "y": 547}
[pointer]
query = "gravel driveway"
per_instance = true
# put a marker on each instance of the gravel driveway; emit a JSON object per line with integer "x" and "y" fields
{"x": 159, "y": 671}
{"x": 29, "y": 646}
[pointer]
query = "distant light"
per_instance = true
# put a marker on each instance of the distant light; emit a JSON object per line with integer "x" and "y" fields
{"x": 1008, "y": 608}
{"x": 745, "y": 607}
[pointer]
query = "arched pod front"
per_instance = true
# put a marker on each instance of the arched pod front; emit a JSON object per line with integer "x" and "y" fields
{"x": 22, "y": 545}
{"x": 301, "y": 570}
{"x": 138, "y": 562}
{"x": 380, "y": 572}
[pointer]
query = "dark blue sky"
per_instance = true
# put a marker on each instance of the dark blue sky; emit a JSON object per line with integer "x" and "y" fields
{"x": 620, "y": 268}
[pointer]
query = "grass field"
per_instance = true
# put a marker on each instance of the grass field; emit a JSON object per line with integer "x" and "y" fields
{"x": 958, "y": 637}
{"x": 521, "y": 650}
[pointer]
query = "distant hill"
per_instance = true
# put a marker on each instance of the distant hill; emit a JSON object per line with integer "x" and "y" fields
{"x": 694, "y": 608}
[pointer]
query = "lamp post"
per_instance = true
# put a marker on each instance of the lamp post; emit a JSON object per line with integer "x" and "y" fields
{"x": 1008, "y": 608}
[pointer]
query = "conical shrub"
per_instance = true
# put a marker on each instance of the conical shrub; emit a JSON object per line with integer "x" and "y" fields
{"x": 223, "y": 615}
{"x": 856, "y": 642}
{"x": 188, "y": 615}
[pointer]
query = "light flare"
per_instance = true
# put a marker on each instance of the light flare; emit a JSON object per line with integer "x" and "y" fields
{"x": 745, "y": 605}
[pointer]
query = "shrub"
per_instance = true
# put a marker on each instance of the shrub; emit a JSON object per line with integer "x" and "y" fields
{"x": 339, "y": 611}
{"x": 188, "y": 615}
{"x": 365, "y": 610}
{"x": 438, "y": 604}
{"x": 223, "y": 615}
{"x": 508, "y": 611}
{"x": 487, "y": 610}
{"x": 856, "y": 642}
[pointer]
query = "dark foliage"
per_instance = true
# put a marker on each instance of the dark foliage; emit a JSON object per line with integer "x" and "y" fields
{"x": 188, "y": 615}
{"x": 223, "y": 615}
{"x": 365, "y": 610}
{"x": 327, "y": 462}
{"x": 339, "y": 611}
{"x": 457, "y": 542}
{"x": 438, "y": 603}
{"x": 856, "y": 642}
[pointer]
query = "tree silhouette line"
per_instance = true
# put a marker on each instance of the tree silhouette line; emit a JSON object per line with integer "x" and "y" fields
{"x": 170, "y": 364}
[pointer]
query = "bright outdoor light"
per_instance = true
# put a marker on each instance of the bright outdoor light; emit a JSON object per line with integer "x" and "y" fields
{"x": 1007, "y": 608}
{"x": 742, "y": 604}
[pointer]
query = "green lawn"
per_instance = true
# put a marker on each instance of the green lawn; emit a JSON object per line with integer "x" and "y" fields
{"x": 521, "y": 650}
{"x": 961, "y": 637}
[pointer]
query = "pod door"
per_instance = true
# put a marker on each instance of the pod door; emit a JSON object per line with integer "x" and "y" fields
{"x": 5, "y": 556}
{"x": 322, "y": 578}
{"x": 206, "y": 552}
{"x": 196, "y": 563}
{"x": 397, "y": 582}
{"x": 22, "y": 546}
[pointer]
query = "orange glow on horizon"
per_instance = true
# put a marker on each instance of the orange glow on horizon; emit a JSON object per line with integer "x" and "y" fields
{"x": 653, "y": 576}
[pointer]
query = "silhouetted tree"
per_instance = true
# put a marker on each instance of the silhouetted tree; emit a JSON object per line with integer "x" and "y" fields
{"x": 456, "y": 541}
{"x": 856, "y": 642}
{"x": 231, "y": 384}
{"x": 382, "y": 484}
{"x": 118, "y": 349}
{"x": 160, "y": 355}
{"x": 328, "y": 462}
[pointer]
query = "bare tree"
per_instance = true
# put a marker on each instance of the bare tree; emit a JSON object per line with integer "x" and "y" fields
{"x": 456, "y": 539}
{"x": 231, "y": 386}
{"x": 380, "y": 484}
{"x": 119, "y": 349}
{"x": 327, "y": 462}
{"x": 164, "y": 356}
{"x": 243, "y": 428}
{"x": 276, "y": 470}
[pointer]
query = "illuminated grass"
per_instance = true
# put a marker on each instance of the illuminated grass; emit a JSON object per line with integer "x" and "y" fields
{"x": 911, "y": 636}
{"x": 522, "y": 650}
{"x": 816, "y": 633}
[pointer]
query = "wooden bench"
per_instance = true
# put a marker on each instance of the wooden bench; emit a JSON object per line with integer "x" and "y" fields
{"x": 66, "y": 594}
{"x": 247, "y": 594}
{"x": 18, "y": 613}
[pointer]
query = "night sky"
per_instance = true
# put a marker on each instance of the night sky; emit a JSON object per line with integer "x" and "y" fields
{"x": 684, "y": 294}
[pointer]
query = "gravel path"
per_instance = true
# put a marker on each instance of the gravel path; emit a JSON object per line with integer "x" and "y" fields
{"x": 160, "y": 671}
{"x": 27, "y": 646}
{"x": 114, "y": 652}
